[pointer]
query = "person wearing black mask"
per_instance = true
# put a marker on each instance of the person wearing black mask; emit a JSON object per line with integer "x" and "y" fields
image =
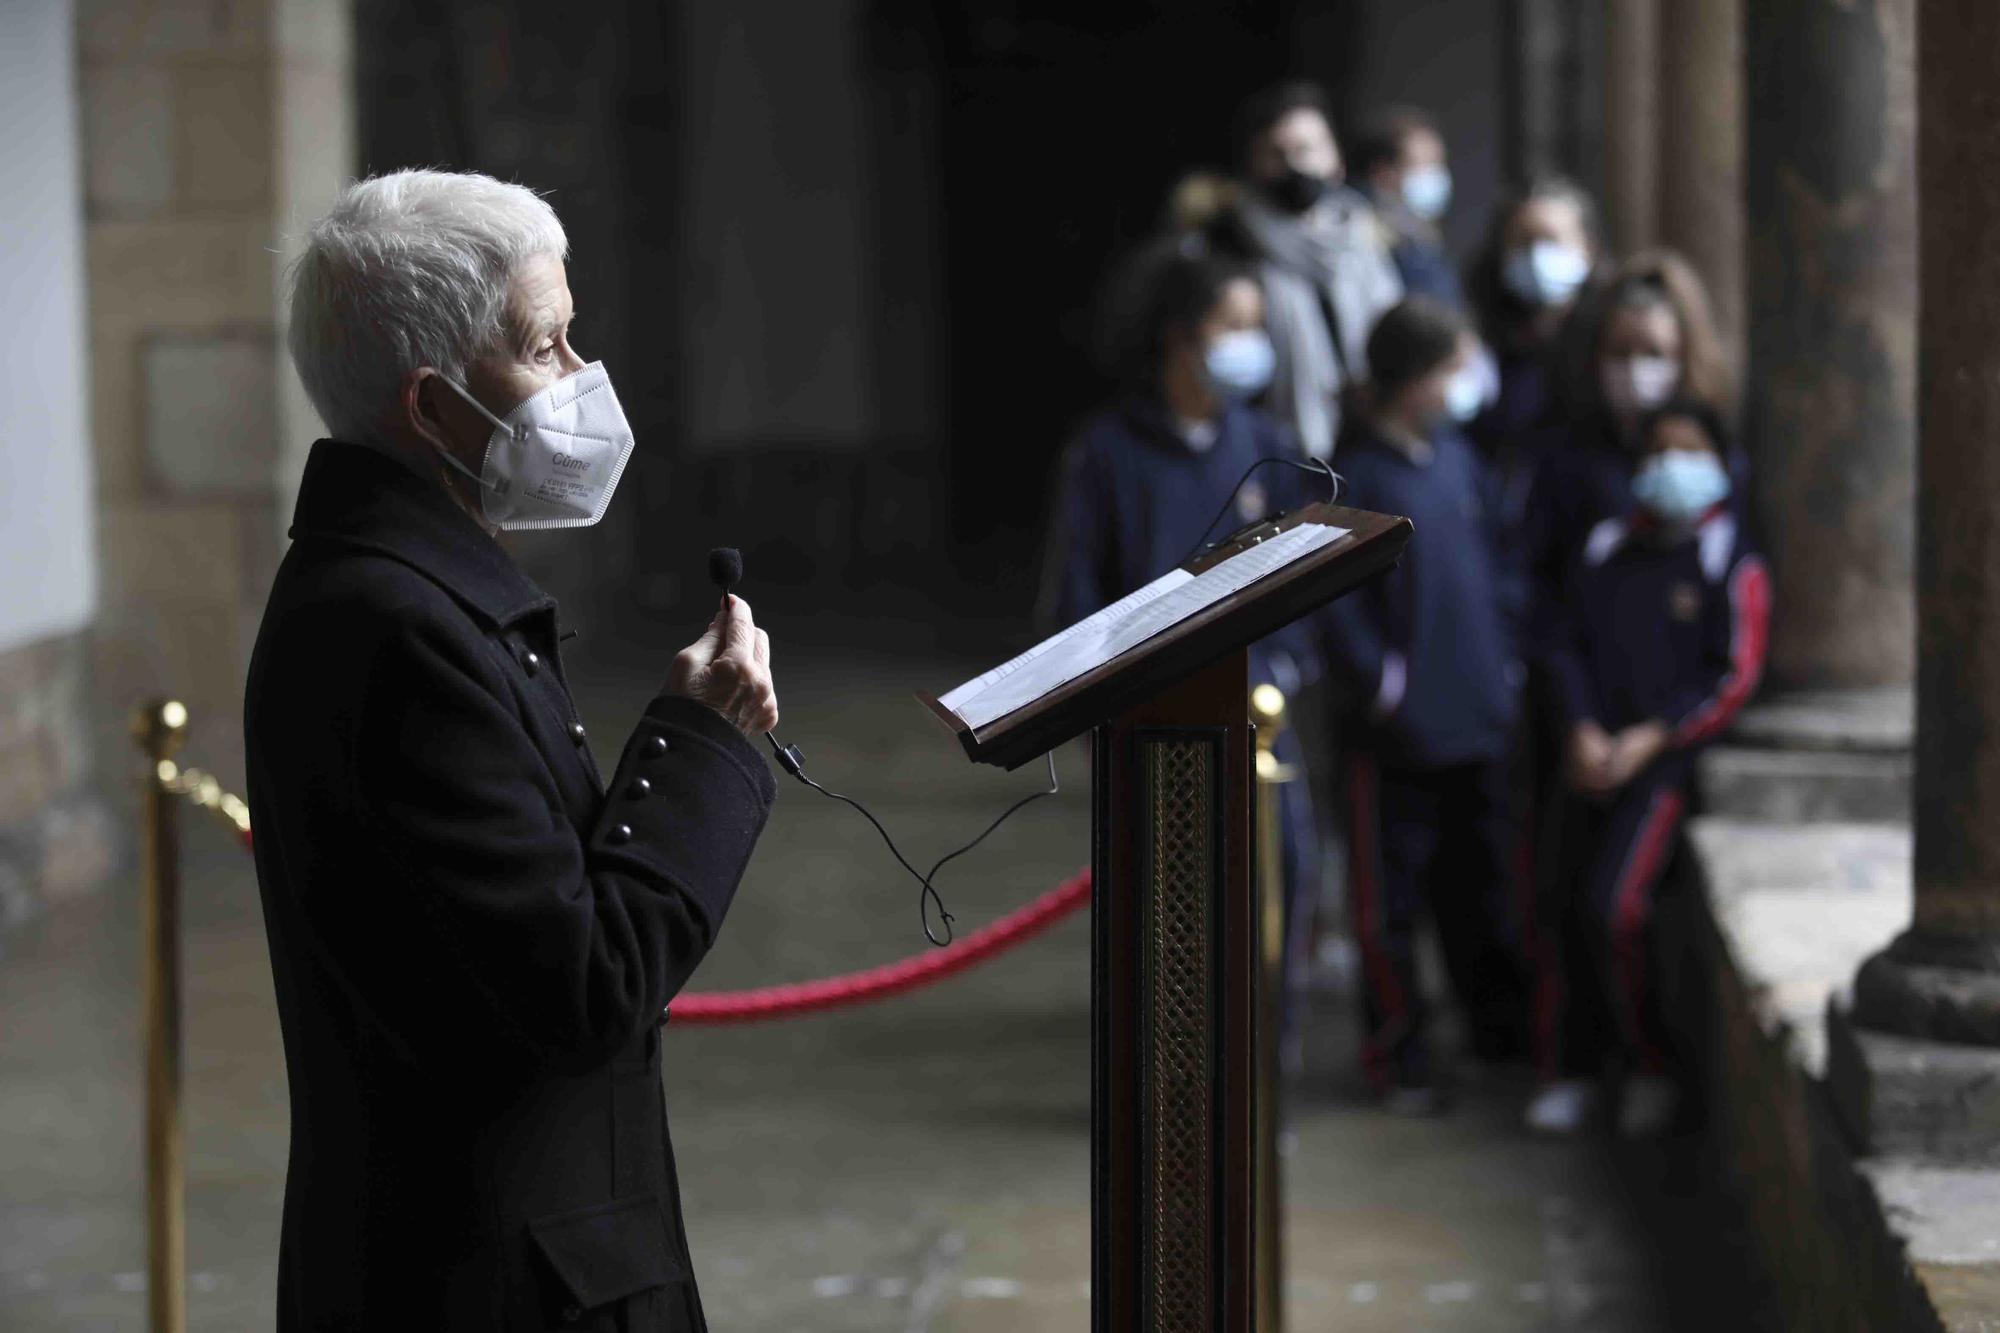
{"x": 1323, "y": 257}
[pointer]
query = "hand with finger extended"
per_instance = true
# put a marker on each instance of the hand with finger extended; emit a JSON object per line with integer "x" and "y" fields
{"x": 729, "y": 669}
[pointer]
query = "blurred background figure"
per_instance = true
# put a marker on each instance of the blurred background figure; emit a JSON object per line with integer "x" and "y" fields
{"x": 1401, "y": 168}
{"x": 1645, "y": 336}
{"x": 1540, "y": 249}
{"x": 1181, "y": 448}
{"x": 1657, "y": 642}
{"x": 1320, "y": 251}
{"x": 1429, "y": 664}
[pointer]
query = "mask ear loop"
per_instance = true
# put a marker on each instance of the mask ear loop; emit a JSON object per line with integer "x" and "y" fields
{"x": 479, "y": 407}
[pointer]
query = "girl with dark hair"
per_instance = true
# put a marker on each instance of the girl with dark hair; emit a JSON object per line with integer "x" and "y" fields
{"x": 1657, "y": 642}
{"x": 1540, "y": 251}
{"x": 1186, "y": 342}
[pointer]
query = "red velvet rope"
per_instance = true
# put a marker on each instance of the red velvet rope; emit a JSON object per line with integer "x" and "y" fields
{"x": 875, "y": 983}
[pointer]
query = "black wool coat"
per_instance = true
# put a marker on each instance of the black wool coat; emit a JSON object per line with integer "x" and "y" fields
{"x": 472, "y": 935}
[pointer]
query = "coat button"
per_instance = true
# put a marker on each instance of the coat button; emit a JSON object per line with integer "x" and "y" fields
{"x": 533, "y": 662}
{"x": 656, "y": 746}
{"x": 576, "y": 732}
{"x": 572, "y": 1313}
{"x": 639, "y": 787}
{"x": 621, "y": 833}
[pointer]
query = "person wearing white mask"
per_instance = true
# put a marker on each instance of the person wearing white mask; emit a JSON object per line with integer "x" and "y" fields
{"x": 1540, "y": 250}
{"x": 1647, "y": 336}
{"x": 1658, "y": 643}
{"x": 1431, "y": 677}
{"x": 474, "y": 931}
{"x": 1148, "y": 471}
{"x": 1400, "y": 164}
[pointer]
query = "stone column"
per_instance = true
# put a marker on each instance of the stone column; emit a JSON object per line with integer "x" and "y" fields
{"x": 1939, "y": 983}
{"x": 1632, "y": 123}
{"x": 1701, "y": 148}
{"x": 1831, "y": 319}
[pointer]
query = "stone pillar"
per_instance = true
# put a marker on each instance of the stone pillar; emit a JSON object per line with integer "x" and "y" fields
{"x": 1632, "y": 123}
{"x": 1929, "y": 1088}
{"x": 1830, "y": 328}
{"x": 1701, "y": 149}
{"x": 212, "y": 129}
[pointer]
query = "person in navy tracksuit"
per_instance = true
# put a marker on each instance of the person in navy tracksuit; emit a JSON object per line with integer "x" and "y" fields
{"x": 1658, "y": 641}
{"x": 1399, "y": 163}
{"x": 1428, "y": 656}
{"x": 1153, "y": 467}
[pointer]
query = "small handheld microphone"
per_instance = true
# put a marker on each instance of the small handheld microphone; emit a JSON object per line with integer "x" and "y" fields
{"x": 725, "y": 567}
{"x": 725, "y": 570}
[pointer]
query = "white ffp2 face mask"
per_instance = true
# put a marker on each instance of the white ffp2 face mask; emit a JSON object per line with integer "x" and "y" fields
{"x": 554, "y": 461}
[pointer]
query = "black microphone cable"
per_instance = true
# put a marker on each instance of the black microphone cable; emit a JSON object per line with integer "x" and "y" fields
{"x": 1315, "y": 466}
{"x": 725, "y": 567}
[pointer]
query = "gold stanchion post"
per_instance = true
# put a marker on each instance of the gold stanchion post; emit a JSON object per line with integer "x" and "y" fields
{"x": 1267, "y": 711}
{"x": 159, "y": 728}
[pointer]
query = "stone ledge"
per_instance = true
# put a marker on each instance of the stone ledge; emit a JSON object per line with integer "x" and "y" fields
{"x": 1878, "y": 720}
{"x": 1805, "y": 786}
{"x": 1798, "y": 908}
{"x": 1854, "y": 1240}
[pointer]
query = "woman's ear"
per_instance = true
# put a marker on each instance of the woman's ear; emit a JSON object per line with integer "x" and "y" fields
{"x": 420, "y": 406}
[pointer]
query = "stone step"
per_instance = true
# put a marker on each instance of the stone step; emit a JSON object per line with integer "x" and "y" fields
{"x": 1879, "y": 720}
{"x": 1806, "y": 786}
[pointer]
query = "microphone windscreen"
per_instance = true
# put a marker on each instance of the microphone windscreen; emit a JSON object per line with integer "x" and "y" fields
{"x": 725, "y": 567}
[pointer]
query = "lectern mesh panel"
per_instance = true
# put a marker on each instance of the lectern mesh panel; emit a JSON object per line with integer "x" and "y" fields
{"x": 1181, "y": 888}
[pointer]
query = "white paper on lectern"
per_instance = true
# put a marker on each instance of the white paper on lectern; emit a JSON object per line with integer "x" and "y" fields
{"x": 1125, "y": 624}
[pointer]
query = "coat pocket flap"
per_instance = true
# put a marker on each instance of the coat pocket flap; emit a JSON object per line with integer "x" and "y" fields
{"x": 609, "y": 1250}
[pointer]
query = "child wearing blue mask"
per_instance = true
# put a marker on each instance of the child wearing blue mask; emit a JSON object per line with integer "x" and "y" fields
{"x": 1185, "y": 339}
{"x": 1656, "y": 644}
{"x": 1428, "y": 659}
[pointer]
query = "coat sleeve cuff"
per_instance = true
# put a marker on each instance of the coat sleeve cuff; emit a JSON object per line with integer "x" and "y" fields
{"x": 686, "y": 805}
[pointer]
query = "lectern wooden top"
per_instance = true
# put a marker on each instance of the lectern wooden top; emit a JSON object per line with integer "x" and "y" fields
{"x": 1370, "y": 545}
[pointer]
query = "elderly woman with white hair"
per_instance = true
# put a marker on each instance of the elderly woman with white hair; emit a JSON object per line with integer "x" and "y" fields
{"x": 473, "y": 934}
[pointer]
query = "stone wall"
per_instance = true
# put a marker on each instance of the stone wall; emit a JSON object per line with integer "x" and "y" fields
{"x": 209, "y": 127}
{"x": 1801, "y": 869}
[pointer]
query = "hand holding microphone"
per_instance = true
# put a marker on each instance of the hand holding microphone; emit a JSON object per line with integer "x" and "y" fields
{"x": 729, "y": 666}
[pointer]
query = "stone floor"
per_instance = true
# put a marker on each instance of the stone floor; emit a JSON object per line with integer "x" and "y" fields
{"x": 917, "y": 1165}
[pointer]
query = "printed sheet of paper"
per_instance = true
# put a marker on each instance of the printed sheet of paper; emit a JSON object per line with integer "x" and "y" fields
{"x": 1126, "y": 624}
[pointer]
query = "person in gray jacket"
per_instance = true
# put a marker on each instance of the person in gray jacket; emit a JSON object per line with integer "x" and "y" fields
{"x": 1323, "y": 257}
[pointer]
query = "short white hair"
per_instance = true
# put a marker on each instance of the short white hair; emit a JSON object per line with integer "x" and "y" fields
{"x": 405, "y": 270}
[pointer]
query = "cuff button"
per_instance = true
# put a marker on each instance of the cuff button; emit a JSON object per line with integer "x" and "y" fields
{"x": 639, "y": 787}
{"x": 576, "y": 732}
{"x": 656, "y": 746}
{"x": 620, "y": 833}
{"x": 533, "y": 662}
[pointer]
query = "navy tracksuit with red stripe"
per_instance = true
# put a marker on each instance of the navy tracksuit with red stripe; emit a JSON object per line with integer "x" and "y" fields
{"x": 1429, "y": 652}
{"x": 1652, "y": 626}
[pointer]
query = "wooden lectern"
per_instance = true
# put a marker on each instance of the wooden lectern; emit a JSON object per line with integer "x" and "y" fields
{"x": 1173, "y": 939}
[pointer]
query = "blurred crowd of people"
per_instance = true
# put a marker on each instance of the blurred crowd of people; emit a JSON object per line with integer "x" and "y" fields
{"x": 1512, "y": 714}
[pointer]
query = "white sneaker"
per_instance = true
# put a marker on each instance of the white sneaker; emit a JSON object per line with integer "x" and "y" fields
{"x": 1564, "y": 1106}
{"x": 1646, "y": 1108}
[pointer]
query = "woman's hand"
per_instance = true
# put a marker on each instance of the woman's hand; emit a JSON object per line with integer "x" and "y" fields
{"x": 729, "y": 669}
